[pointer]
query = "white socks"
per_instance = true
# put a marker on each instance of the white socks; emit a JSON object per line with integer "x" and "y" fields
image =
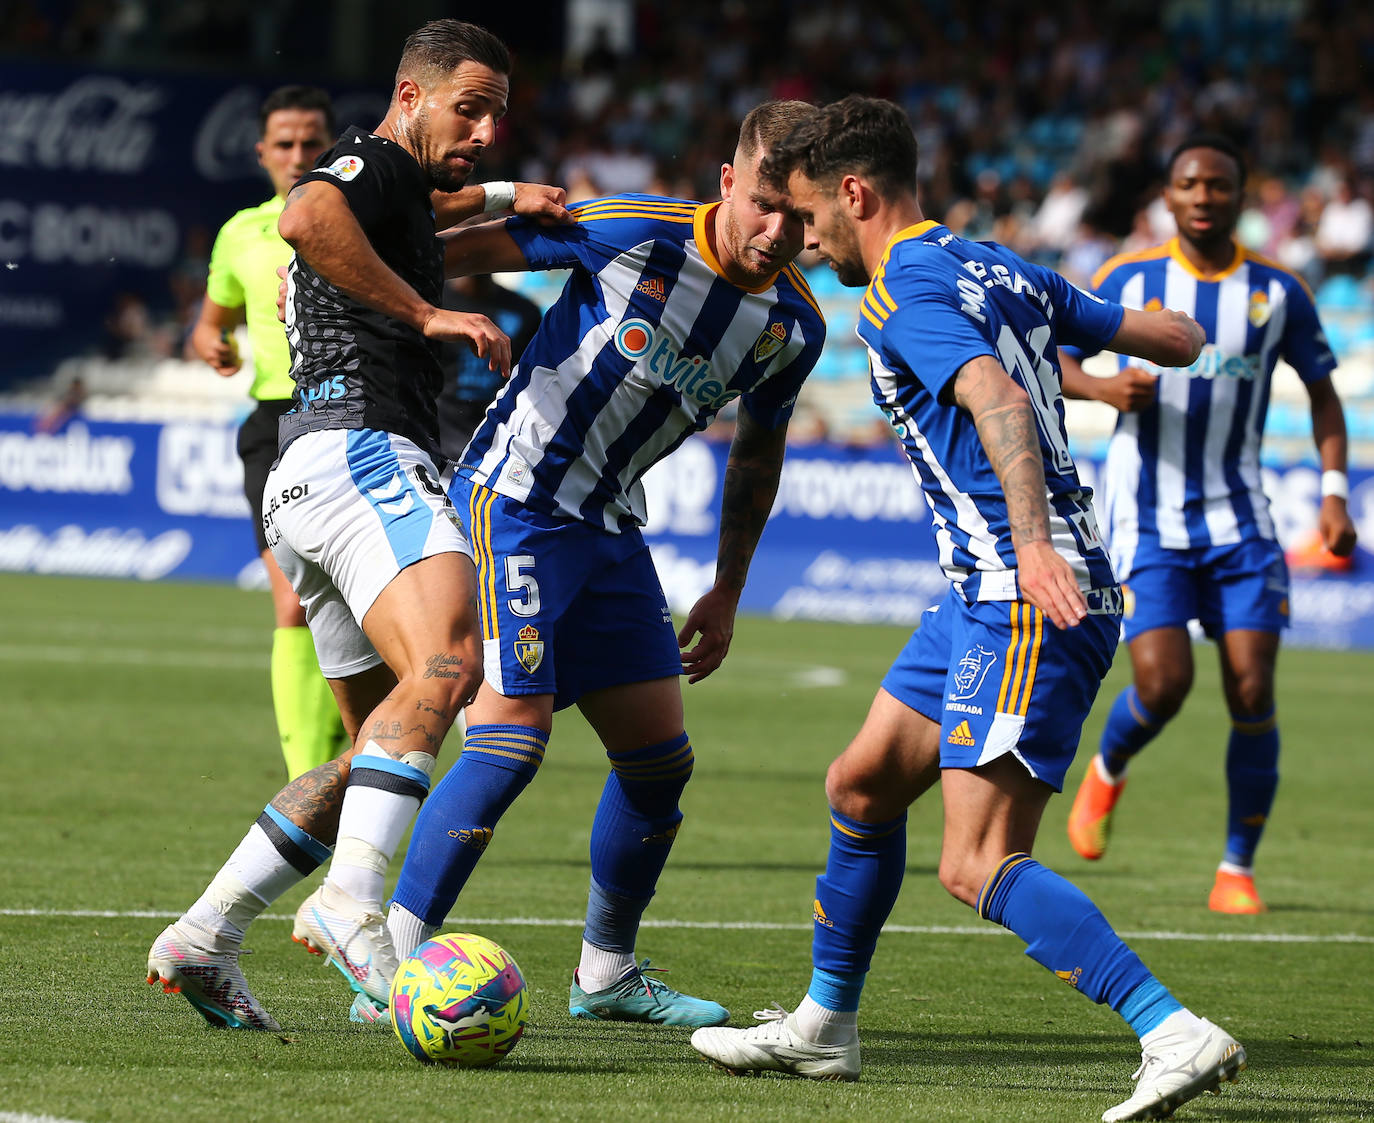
{"x": 825, "y": 1027}
{"x": 407, "y": 930}
{"x": 1181, "y": 1023}
{"x": 600, "y": 968}
{"x": 371, "y": 824}
{"x": 254, "y": 876}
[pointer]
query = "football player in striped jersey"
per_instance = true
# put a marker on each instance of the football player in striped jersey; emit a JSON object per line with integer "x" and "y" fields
{"x": 1189, "y": 524}
{"x": 990, "y": 693}
{"x": 671, "y": 310}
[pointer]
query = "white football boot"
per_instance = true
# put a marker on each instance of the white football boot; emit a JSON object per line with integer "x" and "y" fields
{"x": 1179, "y": 1068}
{"x": 776, "y": 1046}
{"x": 209, "y": 978}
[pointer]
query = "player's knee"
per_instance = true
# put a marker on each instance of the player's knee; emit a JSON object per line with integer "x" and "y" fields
{"x": 1251, "y": 696}
{"x": 1162, "y": 689}
{"x": 853, "y": 791}
{"x": 963, "y": 879}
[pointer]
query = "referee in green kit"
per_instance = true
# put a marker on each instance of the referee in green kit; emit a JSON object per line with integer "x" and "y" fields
{"x": 296, "y": 124}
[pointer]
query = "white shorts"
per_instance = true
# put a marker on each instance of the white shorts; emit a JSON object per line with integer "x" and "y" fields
{"x": 344, "y": 511}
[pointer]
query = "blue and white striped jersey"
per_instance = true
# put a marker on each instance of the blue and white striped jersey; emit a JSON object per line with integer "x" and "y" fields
{"x": 1186, "y": 471}
{"x": 935, "y": 303}
{"x": 644, "y": 346}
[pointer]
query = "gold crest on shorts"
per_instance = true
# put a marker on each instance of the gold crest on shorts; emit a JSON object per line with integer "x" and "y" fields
{"x": 1128, "y": 597}
{"x": 529, "y": 648}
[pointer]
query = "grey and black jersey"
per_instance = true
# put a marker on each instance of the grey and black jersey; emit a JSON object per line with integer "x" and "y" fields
{"x": 355, "y": 368}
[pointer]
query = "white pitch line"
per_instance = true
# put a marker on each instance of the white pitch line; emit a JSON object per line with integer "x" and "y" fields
{"x": 755, "y": 926}
{"x": 25, "y": 1117}
{"x": 132, "y": 656}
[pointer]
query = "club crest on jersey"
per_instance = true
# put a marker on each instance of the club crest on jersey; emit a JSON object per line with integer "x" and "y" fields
{"x": 769, "y": 342}
{"x": 971, "y": 670}
{"x": 345, "y": 168}
{"x": 1259, "y": 309}
{"x": 529, "y": 648}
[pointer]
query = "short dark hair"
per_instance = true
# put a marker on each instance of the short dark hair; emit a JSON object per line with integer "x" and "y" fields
{"x": 768, "y": 123}
{"x": 1217, "y": 141}
{"x": 443, "y": 45}
{"x": 868, "y": 135}
{"x": 296, "y": 97}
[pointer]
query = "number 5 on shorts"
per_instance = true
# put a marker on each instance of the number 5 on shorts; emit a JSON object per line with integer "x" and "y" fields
{"x": 524, "y": 590}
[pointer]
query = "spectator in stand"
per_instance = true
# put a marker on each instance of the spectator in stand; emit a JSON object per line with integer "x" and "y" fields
{"x": 1345, "y": 230}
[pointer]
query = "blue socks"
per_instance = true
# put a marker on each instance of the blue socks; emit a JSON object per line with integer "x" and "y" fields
{"x": 1130, "y": 727}
{"x": 855, "y": 895}
{"x": 1252, "y": 778}
{"x": 636, "y": 821}
{"x": 457, "y": 821}
{"x": 1065, "y": 932}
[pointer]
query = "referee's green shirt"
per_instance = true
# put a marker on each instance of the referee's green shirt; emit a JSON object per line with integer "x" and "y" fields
{"x": 243, "y": 274}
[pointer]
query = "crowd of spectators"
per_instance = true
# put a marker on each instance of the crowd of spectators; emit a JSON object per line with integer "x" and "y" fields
{"x": 1044, "y": 127}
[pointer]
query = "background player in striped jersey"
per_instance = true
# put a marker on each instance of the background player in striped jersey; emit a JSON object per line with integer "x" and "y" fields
{"x": 988, "y": 696}
{"x": 359, "y": 521}
{"x": 296, "y": 124}
{"x": 672, "y": 309}
{"x": 1189, "y": 523}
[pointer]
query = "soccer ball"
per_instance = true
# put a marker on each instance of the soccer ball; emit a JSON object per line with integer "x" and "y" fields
{"x": 459, "y": 1000}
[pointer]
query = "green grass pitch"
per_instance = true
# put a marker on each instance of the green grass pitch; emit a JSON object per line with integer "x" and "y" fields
{"x": 139, "y": 746}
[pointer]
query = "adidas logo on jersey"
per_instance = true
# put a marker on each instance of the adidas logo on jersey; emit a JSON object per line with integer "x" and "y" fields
{"x": 961, "y": 734}
{"x": 653, "y": 287}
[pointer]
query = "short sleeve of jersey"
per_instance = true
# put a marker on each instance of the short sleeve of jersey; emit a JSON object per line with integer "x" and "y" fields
{"x": 587, "y": 242}
{"x": 1082, "y": 320}
{"x": 367, "y": 174}
{"x": 929, "y": 322}
{"x": 223, "y": 285}
{"x": 1304, "y": 341}
{"x": 1109, "y": 289}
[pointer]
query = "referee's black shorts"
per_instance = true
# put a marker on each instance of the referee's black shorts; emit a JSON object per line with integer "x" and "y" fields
{"x": 258, "y": 451}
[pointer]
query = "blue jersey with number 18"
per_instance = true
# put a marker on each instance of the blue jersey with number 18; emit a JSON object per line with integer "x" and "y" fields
{"x": 936, "y": 302}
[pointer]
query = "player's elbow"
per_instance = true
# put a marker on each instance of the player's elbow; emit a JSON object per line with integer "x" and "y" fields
{"x": 294, "y": 225}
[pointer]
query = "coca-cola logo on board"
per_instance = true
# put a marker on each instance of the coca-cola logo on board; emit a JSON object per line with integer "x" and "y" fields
{"x": 224, "y": 145}
{"x": 97, "y": 124}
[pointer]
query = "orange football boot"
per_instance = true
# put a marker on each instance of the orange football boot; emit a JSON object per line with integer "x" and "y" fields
{"x": 1235, "y": 893}
{"x": 1090, "y": 820}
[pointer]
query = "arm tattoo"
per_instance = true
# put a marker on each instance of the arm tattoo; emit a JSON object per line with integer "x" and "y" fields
{"x": 1006, "y": 427}
{"x": 751, "y": 484}
{"x": 292, "y": 197}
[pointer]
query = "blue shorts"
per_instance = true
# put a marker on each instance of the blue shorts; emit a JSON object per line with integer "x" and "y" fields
{"x": 566, "y": 607}
{"x": 1224, "y": 587}
{"x": 1000, "y": 678}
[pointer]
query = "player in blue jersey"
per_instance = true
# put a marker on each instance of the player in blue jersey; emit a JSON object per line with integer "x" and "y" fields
{"x": 1189, "y": 524}
{"x": 672, "y": 309}
{"x": 990, "y": 693}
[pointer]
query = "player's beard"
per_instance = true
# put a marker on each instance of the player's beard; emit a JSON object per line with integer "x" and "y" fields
{"x": 441, "y": 176}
